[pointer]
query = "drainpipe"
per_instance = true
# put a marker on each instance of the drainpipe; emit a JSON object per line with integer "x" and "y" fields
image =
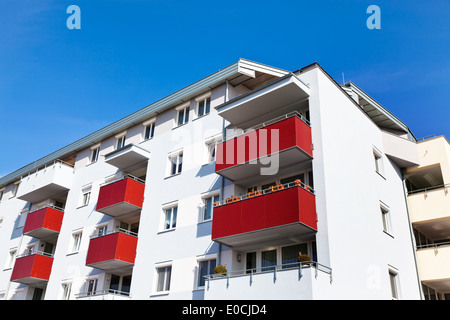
{"x": 222, "y": 187}
{"x": 411, "y": 233}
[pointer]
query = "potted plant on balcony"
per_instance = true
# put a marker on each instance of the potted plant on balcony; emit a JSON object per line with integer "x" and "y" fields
{"x": 220, "y": 271}
{"x": 304, "y": 259}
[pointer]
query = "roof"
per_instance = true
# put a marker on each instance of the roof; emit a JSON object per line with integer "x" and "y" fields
{"x": 246, "y": 72}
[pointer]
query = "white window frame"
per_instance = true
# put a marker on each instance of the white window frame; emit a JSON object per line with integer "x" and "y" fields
{"x": 211, "y": 148}
{"x": 167, "y": 278}
{"x": 170, "y": 209}
{"x": 120, "y": 140}
{"x": 203, "y": 260}
{"x": 204, "y": 99}
{"x": 95, "y": 288}
{"x": 182, "y": 110}
{"x": 386, "y": 218}
{"x": 95, "y": 151}
{"x": 175, "y": 161}
{"x": 75, "y": 243}
{"x": 394, "y": 283}
{"x": 66, "y": 290}
{"x": 378, "y": 160}
{"x": 150, "y": 124}
{"x": 213, "y": 196}
{"x": 11, "y": 258}
{"x": 85, "y": 196}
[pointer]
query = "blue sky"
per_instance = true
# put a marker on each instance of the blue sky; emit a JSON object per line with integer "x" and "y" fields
{"x": 58, "y": 85}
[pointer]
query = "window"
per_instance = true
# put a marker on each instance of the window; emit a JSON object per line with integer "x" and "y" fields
{"x": 149, "y": 131}
{"x": 163, "y": 278}
{"x": 92, "y": 286}
{"x": 120, "y": 284}
{"x": 76, "y": 241}
{"x": 268, "y": 260}
{"x": 100, "y": 231}
{"x": 205, "y": 268}
{"x": 66, "y": 289}
{"x": 203, "y": 106}
{"x": 385, "y": 217}
{"x": 11, "y": 259}
{"x": 85, "y": 196}
{"x": 176, "y": 163}
{"x": 393, "y": 278}
{"x": 94, "y": 154}
{"x": 170, "y": 218}
{"x": 208, "y": 204}
{"x": 378, "y": 161}
{"x": 289, "y": 254}
{"x": 120, "y": 141}
{"x": 183, "y": 116}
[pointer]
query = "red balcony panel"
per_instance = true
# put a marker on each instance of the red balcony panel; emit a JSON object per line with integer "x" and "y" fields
{"x": 121, "y": 197}
{"x": 276, "y": 217}
{"x": 43, "y": 223}
{"x": 289, "y": 138}
{"x": 112, "y": 252}
{"x": 32, "y": 269}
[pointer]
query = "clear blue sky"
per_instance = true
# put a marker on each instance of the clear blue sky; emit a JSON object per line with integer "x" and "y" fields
{"x": 58, "y": 85}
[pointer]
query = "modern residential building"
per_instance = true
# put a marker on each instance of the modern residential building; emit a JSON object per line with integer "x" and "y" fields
{"x": 247, "y": 168}
{"x": 429, "y": 206}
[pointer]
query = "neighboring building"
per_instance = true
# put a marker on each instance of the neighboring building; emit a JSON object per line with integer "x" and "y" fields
{"x": 429, "y": 206}
{"x": 246, "y": 168}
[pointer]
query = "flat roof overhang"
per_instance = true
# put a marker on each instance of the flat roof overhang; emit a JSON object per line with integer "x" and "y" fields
{"x": 247, "y": 109}
{"x": 127, "y": 156}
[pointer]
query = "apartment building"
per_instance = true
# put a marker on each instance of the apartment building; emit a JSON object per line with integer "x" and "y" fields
{"x": 429, "y": 206}
{"x": 247, "y": 168}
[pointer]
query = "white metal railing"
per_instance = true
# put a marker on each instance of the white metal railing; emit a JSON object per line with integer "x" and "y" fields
{"x": 47, "y": 206}
{"x": 33, "y": 252}
{"x": 433, "y": 245}
{"x": 97, "y": 233}
{"x": 257, "y": 193}
{"x": 425, "y": 190}
{"x": 127, "y": 176}
{"x": 270, "y": 122}
{"x": 101, "y": 292}
{"x": 274, "y": 269}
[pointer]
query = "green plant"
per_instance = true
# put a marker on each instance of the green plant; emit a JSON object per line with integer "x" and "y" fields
{"x": 220, "y": 269}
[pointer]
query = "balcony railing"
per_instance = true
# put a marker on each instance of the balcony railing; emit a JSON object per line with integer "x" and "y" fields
{"x": 275, "y": 188}
{"x": 274, "y": 146}
{"x": 103, "y": 294}
{"x": 112, "y": 251}
{"x": 280, "y": 213}
{"x": 299, "y": 280}
{"x": 32, "y": 267}
{"x": 44, "y": 222}
{"x": 47, "y": 182}
{"x": 121, "y": 196}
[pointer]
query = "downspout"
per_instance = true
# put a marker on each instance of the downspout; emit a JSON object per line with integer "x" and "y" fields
{"x": 411, "y": 233}
{"x": 222, "y": 187}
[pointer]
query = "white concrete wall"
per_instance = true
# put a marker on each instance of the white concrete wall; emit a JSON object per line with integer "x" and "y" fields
{"x": 350, "y": 236}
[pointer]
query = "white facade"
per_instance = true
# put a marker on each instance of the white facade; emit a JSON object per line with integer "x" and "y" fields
{"x": 361, "y": 256}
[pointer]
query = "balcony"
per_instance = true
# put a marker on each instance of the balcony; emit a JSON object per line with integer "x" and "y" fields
{"x": 284, "y": 94}
{"x": 429, "y": 204}
{"x": 433, "y": 261}
{"x": 44, "y": 223}
{"x": 114, "y": 252}
{"x": 281, "y": 143}
{"x": 105, "y": 294}
{"x": 127, "y": 157}
{"x": 32, "y": 269}
{"x": 306, "y": 281}
{"x": 275, "y": 216}
{"x": 121, "y": 197}
{"x": 48, "y": 182}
